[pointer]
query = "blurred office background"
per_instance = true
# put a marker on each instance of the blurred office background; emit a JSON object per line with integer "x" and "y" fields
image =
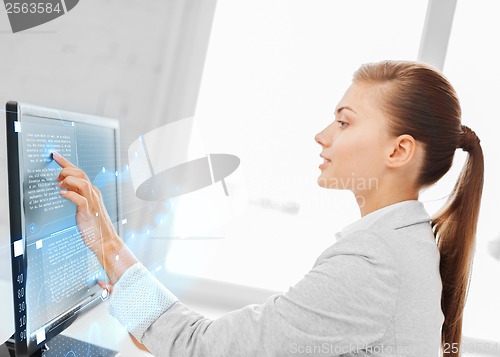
{"x": 261, "y": 78}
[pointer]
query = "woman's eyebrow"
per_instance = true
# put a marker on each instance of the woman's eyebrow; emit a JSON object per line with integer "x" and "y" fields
{"x": 345, "y": 107}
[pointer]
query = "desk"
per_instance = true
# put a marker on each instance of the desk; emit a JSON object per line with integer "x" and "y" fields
{"x": 98, "y": 327}
{"x": 6, "y": 311}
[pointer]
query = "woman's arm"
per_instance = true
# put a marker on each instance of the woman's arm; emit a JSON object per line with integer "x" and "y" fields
{"x": 346, "y": 301}
{"x": 109, "y": 288}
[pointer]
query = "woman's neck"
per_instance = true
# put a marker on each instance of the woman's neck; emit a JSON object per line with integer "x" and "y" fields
{"x": 370, "y": 202}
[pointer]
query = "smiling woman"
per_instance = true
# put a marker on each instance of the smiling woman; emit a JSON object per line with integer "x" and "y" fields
{"x": 384, "y": 286}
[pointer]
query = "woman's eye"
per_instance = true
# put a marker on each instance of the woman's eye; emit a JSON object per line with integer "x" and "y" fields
{"x": 342, "y": 124}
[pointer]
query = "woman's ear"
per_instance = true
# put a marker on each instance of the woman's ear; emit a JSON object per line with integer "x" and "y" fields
{"x": 402, "y": 151}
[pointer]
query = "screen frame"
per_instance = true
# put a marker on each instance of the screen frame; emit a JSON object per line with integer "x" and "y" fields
{"x": 26, "y": 345}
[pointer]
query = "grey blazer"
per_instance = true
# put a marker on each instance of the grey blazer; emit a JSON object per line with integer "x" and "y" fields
{"x": 375, "y": 292}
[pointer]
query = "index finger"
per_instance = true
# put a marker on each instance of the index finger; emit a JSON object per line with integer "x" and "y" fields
{"x": 71, "y": 171}
{"x": 61, "y": 161}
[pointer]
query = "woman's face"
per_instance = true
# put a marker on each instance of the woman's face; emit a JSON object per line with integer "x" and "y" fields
{"x": 353, "y": 144}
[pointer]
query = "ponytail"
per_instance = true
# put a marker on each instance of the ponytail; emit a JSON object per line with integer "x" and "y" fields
{"x": 455, "y": 229}
{"x": 421, "y": 102}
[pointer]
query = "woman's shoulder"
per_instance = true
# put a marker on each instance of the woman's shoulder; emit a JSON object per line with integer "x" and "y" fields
{"x": 380, "y": 245}
{"x": 365, "y": 244}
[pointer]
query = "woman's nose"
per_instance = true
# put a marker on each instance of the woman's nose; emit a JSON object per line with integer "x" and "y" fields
{"x": 322, "y": 139}
{"x": 318, "y": 139}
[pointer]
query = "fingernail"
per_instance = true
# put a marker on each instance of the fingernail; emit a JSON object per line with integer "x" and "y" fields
{"x": 59, "y": 184}
{"x": 56, "y": 155}
{"x": 63, "y": 192}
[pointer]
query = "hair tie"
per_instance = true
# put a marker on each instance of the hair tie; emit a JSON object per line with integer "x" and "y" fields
{"x": 468, "y": 139}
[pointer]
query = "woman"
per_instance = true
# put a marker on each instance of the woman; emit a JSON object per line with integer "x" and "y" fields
{"x": 385, "y": 287}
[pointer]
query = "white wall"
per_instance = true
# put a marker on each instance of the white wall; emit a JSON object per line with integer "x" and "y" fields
{"x": 472, "y": 65}
{"x": 141, "y": 64}
{"x": 138, "y": 62}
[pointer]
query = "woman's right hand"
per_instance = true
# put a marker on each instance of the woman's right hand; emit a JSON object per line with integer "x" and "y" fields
{"x": 93, "y": 221}
{"x": 91, "y": 215}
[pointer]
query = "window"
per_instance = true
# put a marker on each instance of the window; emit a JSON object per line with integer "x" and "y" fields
{"x": 472, "y": 66}
{"x": 274, "y": 73}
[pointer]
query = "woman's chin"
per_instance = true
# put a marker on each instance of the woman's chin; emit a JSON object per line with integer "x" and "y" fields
{"x": 327, "y": 182}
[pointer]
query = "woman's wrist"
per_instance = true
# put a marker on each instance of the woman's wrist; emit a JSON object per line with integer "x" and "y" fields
{"x": 116, "y": 258}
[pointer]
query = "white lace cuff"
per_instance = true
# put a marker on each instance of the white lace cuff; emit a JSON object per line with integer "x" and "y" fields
{"x": 138, "y": 299}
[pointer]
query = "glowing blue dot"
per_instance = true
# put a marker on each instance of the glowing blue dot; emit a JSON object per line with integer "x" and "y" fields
{"x": 103, "y": 170}
{"x": 116, "y": 173}
{"x": 126, "y": 167}
{"x": 148, "y": 231}
{"x": 136, "y": 154}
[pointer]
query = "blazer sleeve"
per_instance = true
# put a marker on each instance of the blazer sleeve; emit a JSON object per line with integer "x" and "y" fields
{"x": 346, "y": 302}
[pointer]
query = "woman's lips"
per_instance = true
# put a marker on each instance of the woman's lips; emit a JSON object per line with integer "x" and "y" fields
{"x": 325, "y": 163}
